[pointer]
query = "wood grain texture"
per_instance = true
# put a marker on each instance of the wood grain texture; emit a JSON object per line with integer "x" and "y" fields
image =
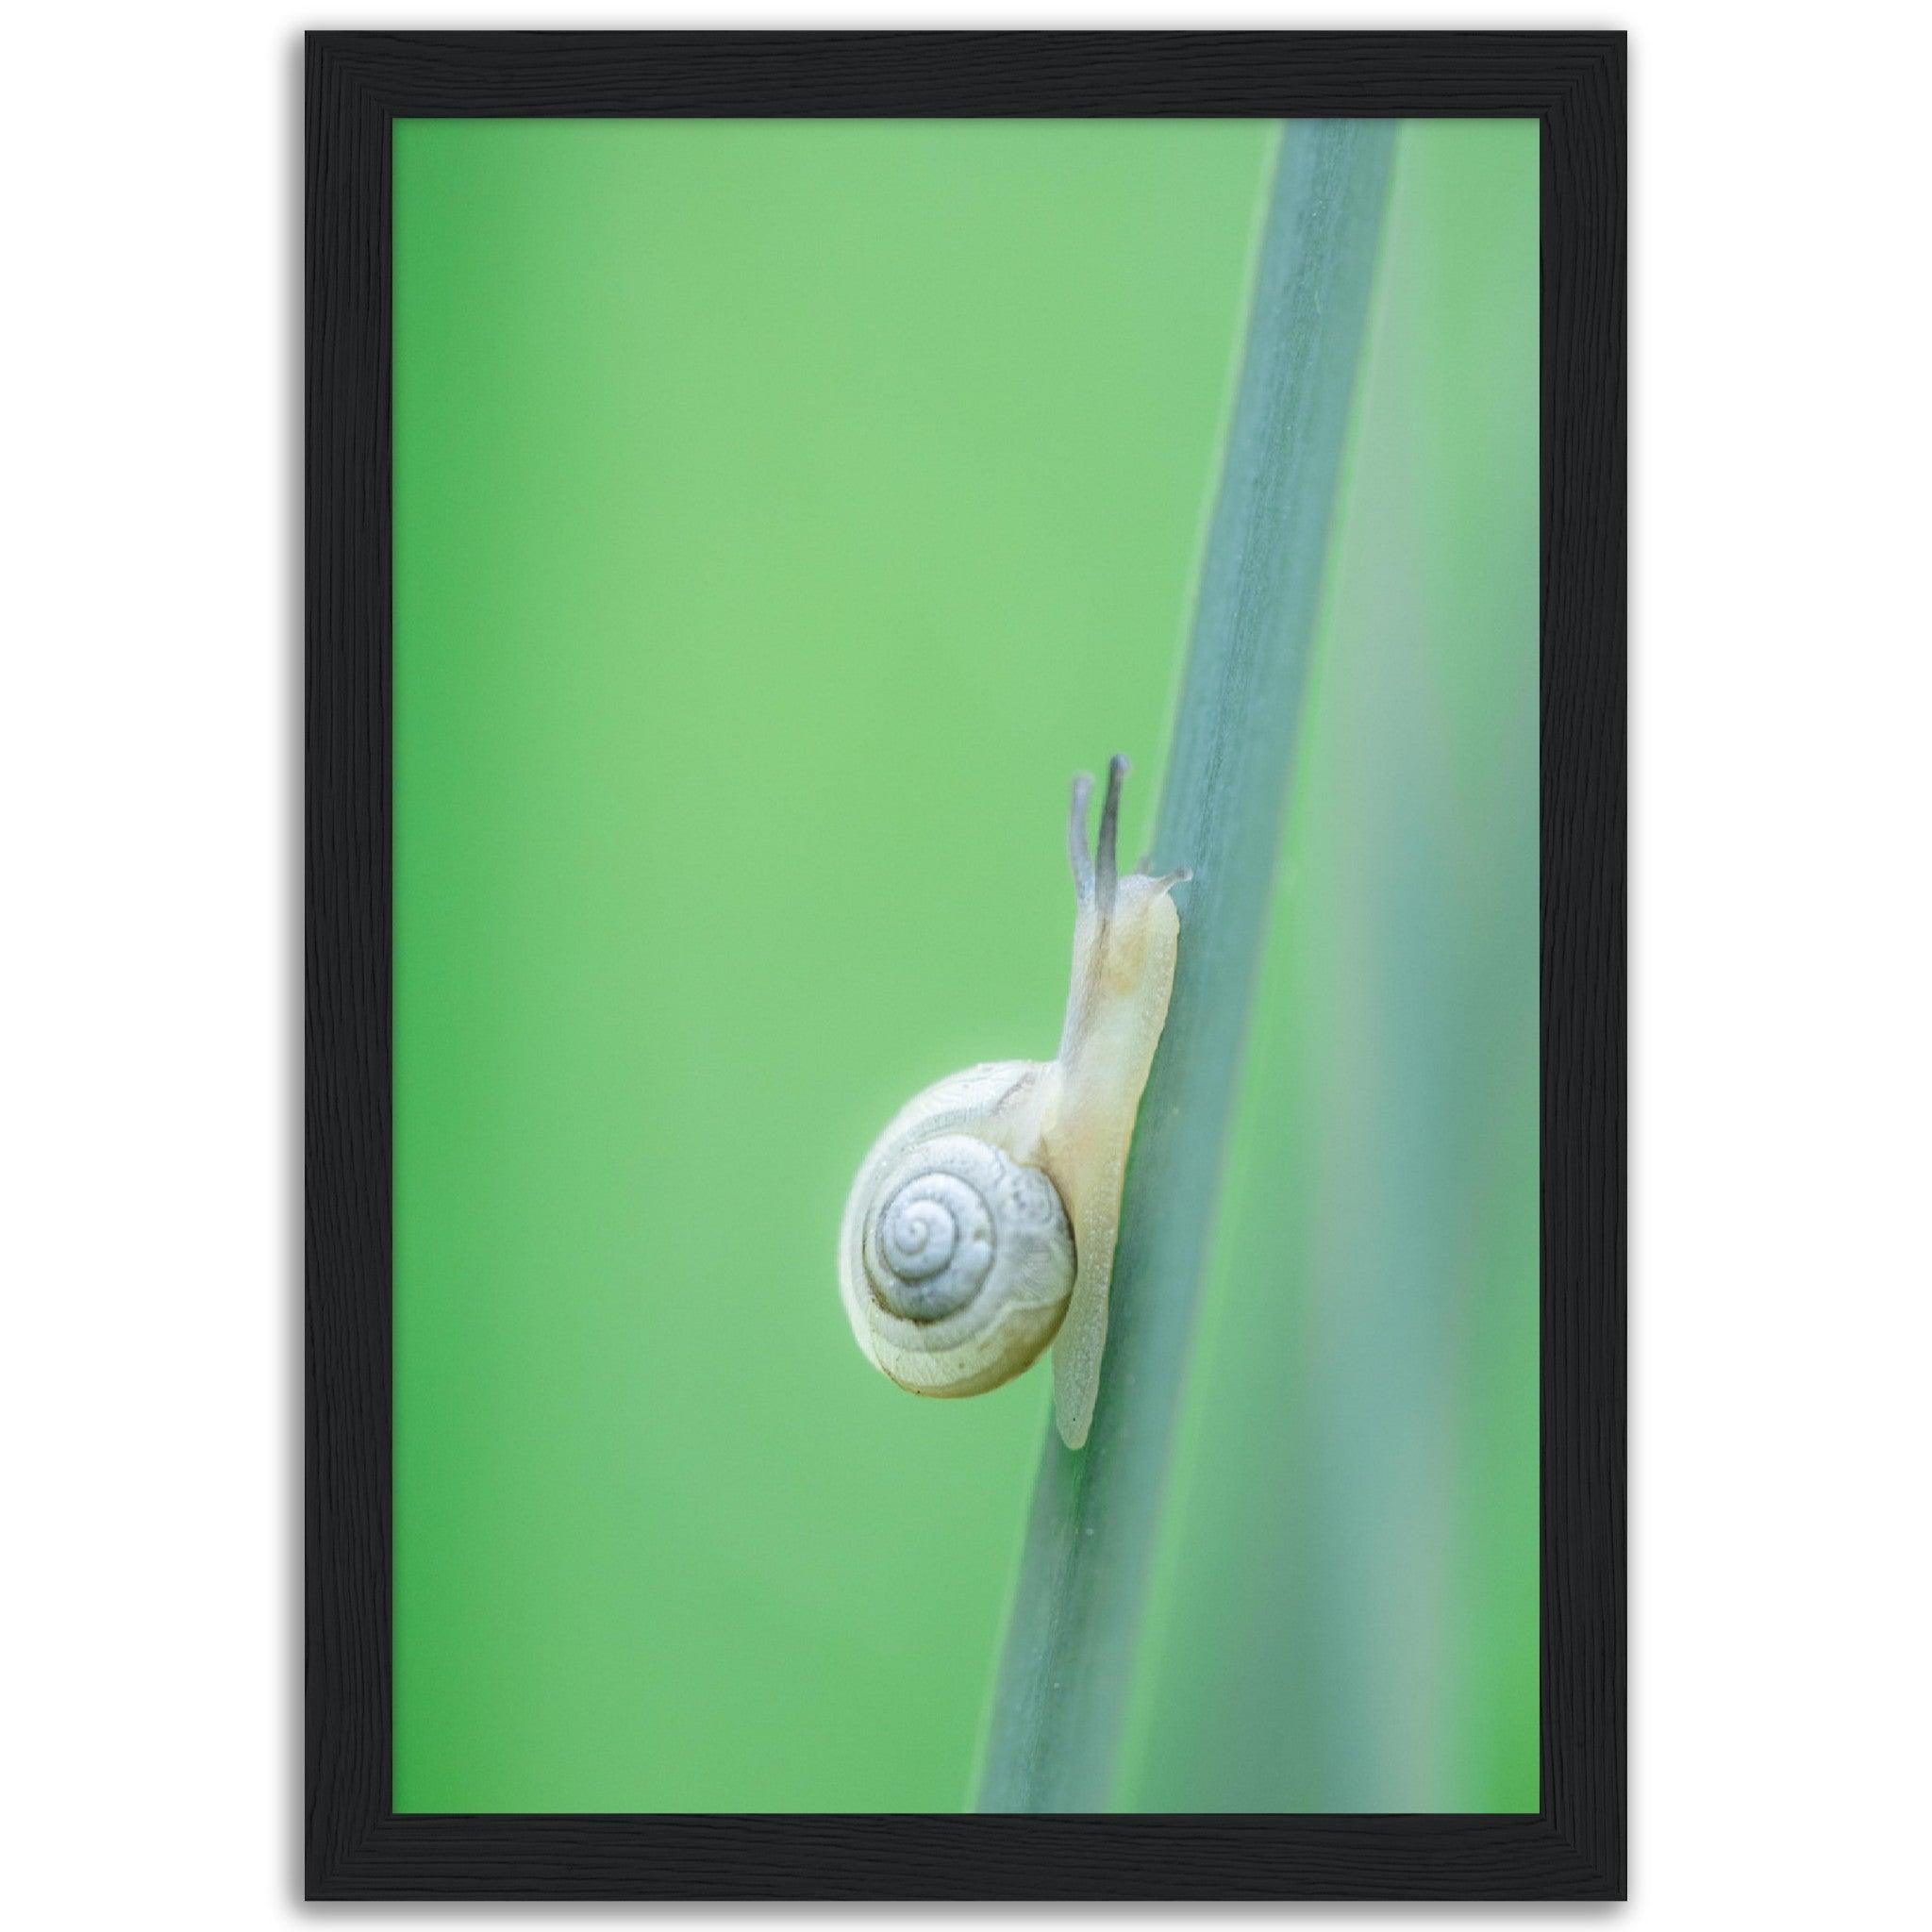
{"x": 1065, "y": 1673}
{"x": 357, "y": 84}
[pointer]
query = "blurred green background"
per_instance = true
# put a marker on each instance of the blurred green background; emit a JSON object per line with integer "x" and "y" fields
{"x": 783, "y": 510}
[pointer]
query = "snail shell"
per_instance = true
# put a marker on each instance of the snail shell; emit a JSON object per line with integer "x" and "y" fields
{"x": 981, "y": 1225}
{"x": 969, "y": 1264}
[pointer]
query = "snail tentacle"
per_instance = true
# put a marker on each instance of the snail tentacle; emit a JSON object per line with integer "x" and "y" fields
{"x": 1077, "y": 838}
{"x": 1107, "y": 863}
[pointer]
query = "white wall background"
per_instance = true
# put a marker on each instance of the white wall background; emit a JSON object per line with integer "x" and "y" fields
{"x": 149, "y": 758}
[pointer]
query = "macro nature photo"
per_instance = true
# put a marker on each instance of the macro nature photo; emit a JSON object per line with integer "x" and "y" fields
{"x": 966, "y": 999}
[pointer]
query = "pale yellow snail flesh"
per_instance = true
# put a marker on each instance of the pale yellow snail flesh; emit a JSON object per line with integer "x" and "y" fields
{"x": 981, "y": 1226}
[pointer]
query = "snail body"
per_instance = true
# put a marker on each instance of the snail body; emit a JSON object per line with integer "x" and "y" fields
{"x": 981, "y": 1226}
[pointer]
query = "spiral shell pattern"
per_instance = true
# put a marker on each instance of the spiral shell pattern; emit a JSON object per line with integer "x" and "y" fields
{"x": 936, "y": 1240}
{"x": 969, "y": 1260}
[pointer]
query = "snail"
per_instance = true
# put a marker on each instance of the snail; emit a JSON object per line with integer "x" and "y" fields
{"x": 981, "y": 1225}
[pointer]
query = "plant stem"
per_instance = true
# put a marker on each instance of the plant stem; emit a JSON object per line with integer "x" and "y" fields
{"x": 1060, "y": 1698}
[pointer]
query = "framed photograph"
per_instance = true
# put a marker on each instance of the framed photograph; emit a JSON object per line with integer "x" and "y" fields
{"x": 965, "y": 741}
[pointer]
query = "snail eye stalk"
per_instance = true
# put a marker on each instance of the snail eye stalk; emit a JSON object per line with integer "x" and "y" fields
{"x": 1107, "y": 861}
{"x": 1077, "y": 838}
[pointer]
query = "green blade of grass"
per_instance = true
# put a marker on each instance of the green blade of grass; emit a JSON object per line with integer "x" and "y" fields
{"x": 1062, "y": 1693}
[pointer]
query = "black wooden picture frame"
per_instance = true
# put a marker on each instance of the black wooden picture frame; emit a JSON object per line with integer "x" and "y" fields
{"x": 356, "y": 1847}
